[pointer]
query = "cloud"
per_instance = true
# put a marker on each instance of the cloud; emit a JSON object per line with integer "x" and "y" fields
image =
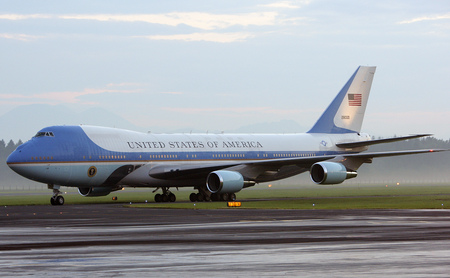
{"x": 426, "y": 18}
{"x": 67, "y": 97}
{"x": 209, "y": 37}
{"x": 199, "y": 20}
{"x": 287, "y": 4}
{"x": 20, "y": 37}
{"x": 24, "y": 16}
{"x": 204, "y": 21}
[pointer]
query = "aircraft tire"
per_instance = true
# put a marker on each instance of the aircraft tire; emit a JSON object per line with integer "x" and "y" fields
{"x": 165, "y": 198}
{"x": 231, "y": 197}
{"x": 57, "y": 201}
{"x": 215, "y": 197}
{"x": 172, "y": 197}
{"x": 60, "y": 200}
{"x": 200, "y": 197}
{"x": 158, "y": 198}
{"x": 224, "y": 197}
{"x": 193, "y": 197}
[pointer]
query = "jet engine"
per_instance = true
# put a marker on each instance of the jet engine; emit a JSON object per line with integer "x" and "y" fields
{"x": 330, "y": 173}
{"x": 224, "y": 182}
{"x": 96, "y": 191}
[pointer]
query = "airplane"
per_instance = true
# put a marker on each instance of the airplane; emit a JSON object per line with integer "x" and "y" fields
{"x": 101, "y": 160}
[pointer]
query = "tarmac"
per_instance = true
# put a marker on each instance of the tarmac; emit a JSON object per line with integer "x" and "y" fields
{"x": 109, "y": 240}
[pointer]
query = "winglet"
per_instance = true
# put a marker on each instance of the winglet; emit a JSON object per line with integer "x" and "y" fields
{"x": 346, "y": 112}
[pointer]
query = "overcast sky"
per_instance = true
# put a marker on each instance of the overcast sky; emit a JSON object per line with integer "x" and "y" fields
{"x": 220, "y": 65}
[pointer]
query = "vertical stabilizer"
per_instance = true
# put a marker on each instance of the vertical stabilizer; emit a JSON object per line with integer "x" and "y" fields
{"x": 346, "y": 112}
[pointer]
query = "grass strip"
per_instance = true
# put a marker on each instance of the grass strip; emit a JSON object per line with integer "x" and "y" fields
{"x": 318, "y": 197}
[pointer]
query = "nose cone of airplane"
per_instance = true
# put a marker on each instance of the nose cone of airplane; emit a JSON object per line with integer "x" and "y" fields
{"x": 14, "y": 157}
{"x": 17, "y": 158}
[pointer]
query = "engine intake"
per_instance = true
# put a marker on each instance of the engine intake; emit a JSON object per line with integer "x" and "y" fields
{"x": 96, "y": 191}
{"x": 330, "y": 173}
{"x": 224, "y": 182}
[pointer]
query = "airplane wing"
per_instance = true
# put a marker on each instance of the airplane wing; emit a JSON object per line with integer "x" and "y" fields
{"x": 192, "y": 171}
{"x": 378, "y": 141}
{"x": 308, "y": 161}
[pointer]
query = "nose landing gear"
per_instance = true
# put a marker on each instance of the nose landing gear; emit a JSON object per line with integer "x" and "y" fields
{"x": 56, "y": 199}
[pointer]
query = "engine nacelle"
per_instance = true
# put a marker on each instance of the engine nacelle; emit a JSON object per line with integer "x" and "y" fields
{"x": 330, "y": 173}
{"x": 224, "y": 182}
{"x": 96, "y": 191}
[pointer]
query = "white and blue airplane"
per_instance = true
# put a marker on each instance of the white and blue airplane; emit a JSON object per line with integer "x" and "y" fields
{"x": 100, "y": 160}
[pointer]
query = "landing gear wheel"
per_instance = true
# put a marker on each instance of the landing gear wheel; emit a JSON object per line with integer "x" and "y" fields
{"x": 200, "y": 197}
{"x": 224, "y": 197}
{"x": 215, "y": 197}
{"x": 158, "y": 198}
{"x": 165, "y": 198}
{"x": 232, "y": 197}
{"x": 172, "y": 197}
{"x": 57, "y": 200}
{"x": 193, "y": 197}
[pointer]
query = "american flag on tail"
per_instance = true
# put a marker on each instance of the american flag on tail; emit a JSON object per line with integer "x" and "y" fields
{"x": 354, "y": 99}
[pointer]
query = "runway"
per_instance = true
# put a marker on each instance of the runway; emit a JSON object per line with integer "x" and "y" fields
{"x": 114, "y": 241}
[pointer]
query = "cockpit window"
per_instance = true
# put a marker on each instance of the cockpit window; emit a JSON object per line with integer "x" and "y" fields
{"x": 44, "y": 133}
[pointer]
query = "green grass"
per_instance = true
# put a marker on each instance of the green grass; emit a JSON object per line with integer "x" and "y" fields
{"x": 382, "y": 202}
{"x": 303, "y": 197}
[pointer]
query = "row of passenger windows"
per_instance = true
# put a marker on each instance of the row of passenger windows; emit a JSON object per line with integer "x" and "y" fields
{"x": 227, "y": 155}
{"x": 293, "y": 155}
{"x": 174, "y": 156}
{"x": 109, "y": 157}
{"x": 42, "y": 158}
{"x": 162, "y": 156}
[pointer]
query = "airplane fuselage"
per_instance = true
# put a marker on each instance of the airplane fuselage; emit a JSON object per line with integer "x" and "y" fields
{"x": 88, "y": 156}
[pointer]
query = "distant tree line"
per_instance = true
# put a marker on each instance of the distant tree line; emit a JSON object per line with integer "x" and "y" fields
{"x": 422, "y": 143}
{"x": 6, "y": 175}
{"x": 7, "y": 149}
{"x": 419, "y": 168}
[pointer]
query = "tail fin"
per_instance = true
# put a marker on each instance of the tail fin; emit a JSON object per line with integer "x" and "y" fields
{"x": 346, "y": 112}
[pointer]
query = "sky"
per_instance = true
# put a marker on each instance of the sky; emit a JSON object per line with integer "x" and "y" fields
{"x": 221, "y": 65}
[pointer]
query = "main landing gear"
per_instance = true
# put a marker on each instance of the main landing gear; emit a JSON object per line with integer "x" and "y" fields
{"x": 56, "y": 199}
{"x": 167, "y": 196}
{"x": 202, "y": 197}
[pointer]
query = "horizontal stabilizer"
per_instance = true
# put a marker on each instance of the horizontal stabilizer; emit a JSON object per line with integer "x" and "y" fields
{"x": 378, "y": 141}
